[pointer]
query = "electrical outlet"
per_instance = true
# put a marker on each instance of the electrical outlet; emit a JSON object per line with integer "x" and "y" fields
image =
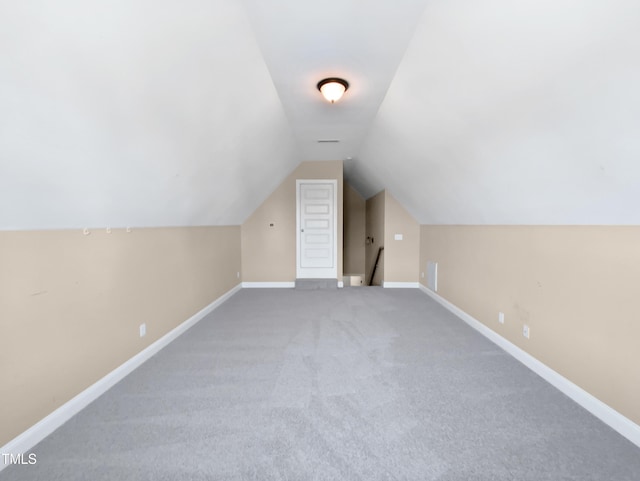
{"x": 143, "y": 330}
{"x": 238, "y": 275}
{"x": 525, "y": 331}
{"x": 501, "y": 317}
{"x": 423, "y": 275}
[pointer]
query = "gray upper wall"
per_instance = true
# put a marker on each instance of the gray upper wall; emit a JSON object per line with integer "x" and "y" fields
{"x": 506, "y": 112}
{"x": 135, "y": 113}
{"x": 130, "y": 113}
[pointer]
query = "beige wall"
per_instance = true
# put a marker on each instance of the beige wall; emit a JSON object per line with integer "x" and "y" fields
{"x": 374, "y": 231}
{"x": 354, "y": 231}
{"x": 71, "y": 305}
{"x": 269, "y": 253}
{"x": 575, "y": 286}
{"x": 401, "y": 257}
{"x": 399, "y": 262}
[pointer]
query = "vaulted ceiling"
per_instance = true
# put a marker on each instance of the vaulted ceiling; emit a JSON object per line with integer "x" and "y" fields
{"x": 141, "y": 113}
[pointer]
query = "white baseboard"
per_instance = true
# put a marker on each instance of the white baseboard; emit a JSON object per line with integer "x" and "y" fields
{"x": 36, "y": 433}
{"x": 602, "y": 411}
{"x": 401, "y": 285}
{"x": 268, "y": 285}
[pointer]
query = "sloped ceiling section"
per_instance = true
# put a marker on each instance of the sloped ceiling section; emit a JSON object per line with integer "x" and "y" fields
{"x": 135, "y": 113}
{"x": 507, "y": 112}
{"x": 303, "y": 42}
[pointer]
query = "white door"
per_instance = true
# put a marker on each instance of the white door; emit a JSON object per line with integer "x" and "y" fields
{"x": 317, "y": 250}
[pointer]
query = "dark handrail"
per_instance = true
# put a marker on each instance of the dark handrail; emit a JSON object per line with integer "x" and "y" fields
{"x": 375, "y": 266}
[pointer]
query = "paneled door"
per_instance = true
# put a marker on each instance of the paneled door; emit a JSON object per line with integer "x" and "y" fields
{"x": 317, "y": 252}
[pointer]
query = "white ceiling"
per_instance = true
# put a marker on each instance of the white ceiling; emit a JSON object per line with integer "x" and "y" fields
{"x": 135, "y": 113}
{"x": 506, "y": 112}
{"x": 142, "y": 113}
{"x": 304, "y": 42}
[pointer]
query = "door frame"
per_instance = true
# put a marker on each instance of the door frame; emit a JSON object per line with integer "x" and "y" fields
{"x": 299, "y": 274}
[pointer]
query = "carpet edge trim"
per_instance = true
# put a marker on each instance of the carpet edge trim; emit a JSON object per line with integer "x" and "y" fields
{"x": 47, "y": 425}
{"x": 401, "y": 285}
{"x": 268, "y": 285}
{"x": 612, "y": 418}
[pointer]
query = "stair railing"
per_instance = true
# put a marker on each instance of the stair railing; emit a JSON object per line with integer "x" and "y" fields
{"x": 375, "y": 266}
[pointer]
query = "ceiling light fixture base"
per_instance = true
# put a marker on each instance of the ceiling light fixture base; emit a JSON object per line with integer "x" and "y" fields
{"x": 333, "y": 88}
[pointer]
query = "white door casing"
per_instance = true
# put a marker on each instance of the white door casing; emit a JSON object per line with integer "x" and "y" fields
{"x": 316, "y": 226}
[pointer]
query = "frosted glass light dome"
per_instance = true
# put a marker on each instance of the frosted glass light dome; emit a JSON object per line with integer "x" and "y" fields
{"x": 333, "y": 88}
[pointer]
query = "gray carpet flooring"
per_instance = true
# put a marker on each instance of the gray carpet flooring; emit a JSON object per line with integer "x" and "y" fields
{"x": 348, "y": 384}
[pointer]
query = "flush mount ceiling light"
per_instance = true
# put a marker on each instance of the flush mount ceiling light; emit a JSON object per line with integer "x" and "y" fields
{"x": 333, "y": 88}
